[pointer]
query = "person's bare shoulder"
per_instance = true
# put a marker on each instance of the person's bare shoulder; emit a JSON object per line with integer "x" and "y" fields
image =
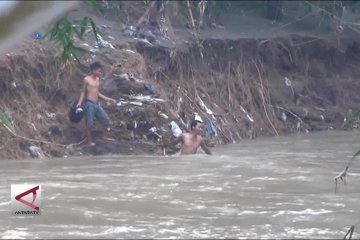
{"x": 185, "y": 135}
{"x": 86, "y": 78}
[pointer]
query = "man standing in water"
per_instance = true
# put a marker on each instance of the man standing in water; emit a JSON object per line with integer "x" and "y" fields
{"x": 192, "y": 140}
{"x": 90, "y": 95}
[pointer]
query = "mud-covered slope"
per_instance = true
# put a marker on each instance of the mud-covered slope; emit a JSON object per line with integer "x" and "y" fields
{"x": 242, "y": 88}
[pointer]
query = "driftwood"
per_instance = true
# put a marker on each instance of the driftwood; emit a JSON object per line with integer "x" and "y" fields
{"x": 349, "y": 232}
{"x": 342, "y": 175}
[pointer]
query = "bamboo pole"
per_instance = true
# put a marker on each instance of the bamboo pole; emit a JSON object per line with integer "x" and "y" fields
{"x": 141, "y": 19}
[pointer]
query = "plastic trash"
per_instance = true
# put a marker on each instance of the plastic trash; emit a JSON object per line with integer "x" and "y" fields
{"x": 103, "y": 43}
{"x": 123, "y": 76}
{"x": 36, "y": 152}
{"x": 38, "y": 36}
{"x": 155, "y": 135}
{"x": 136, "y": 103}
{"x": 289, "y": 84}
{"x": 146, "y": 98}
{"x": 163, "y": 115}
{"x": 180, "y": 101}
{"x": 122, "y": 103}
{"x": 130, "y": 51}
{"x": 175, "y": 129}
{"x": 129, "y": 31}
{"x": 150, "y": 88}
{"x": 247, "y": 115}
{"x": 145, "y": 41}
{"x": 13, "y": 85}
{"x": 203, "y": 106}
{"x": 50, "y": 115}
{"x": 210, "y": 127}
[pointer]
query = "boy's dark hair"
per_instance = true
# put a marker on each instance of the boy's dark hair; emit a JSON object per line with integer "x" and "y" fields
{"x": 193, "y": 124}
{"x": 95, "y": 65}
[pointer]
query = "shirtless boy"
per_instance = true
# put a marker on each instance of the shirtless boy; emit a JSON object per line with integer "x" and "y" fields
{"x": 89, "y": 96}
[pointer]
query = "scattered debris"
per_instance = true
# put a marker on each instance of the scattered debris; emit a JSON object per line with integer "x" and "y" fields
{"x": 103, "y": 43}
{"x": 322, "y": 118}
{"x": 210, "y": 127}
{"x": 38, "y": 36}
{"x": 150, "y": 88}
{"x": 136, "y": 103}
{"x": 123, "y": 76}
{"x": 50, "y": 115}
{"x": 154, "y": 130}
{"x": 289, "y": 84}
{"x": 13, "y": 85}
{"x": 133, "y": 78}
{"x": 129, "y": 31}
{"x": 36, "y": 152}
{"x": 163, "y": 115}
{"x": 175, "y": 129}
{"x": 148, "y": 99}
{"x": 144, "y": 41}
{"x": 122, "y": 103}
{"x": 204, "y": 107}
{"x": 247, "y": 115}
{"x": 130, "y": 51}
{"x": 180, "y": 101}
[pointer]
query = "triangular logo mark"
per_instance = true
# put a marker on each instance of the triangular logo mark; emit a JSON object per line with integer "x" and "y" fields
{"x": 33, "y": 191}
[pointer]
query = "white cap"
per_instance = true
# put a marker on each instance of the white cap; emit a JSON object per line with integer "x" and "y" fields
{"x": 198, "y": 118}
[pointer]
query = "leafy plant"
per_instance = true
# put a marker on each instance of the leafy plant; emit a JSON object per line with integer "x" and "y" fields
{"x": 64, "y": 31}
{"x": 6, "y": 120}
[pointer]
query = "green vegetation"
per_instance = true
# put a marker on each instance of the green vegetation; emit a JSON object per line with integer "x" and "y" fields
{"x": 64, "y": 31}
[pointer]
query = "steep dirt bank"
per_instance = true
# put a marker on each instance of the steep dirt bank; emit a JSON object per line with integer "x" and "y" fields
{"x": 242, "y": 88}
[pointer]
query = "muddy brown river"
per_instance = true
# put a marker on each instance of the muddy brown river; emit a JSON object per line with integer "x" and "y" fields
{"x": 279, "y": 187}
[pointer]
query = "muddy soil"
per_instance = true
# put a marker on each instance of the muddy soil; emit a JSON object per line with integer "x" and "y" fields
{"x": 243, "y": 87}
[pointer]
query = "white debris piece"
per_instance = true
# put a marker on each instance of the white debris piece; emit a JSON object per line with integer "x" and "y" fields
{"x": 247, "y": 115}
{"x": 103, "y": 43}
{"x": 163, "y": 115}
{"x": 130, "y": 51}
{"x": 36, "y": 152}
{"x": 122, "y": 103}
{"x": 175, "y": 129}
{"x": 143, "y": 98}
{"x": 204, "y": 107}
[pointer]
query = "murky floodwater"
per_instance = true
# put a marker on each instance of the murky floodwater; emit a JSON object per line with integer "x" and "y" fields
{"x": 266, "y": 188}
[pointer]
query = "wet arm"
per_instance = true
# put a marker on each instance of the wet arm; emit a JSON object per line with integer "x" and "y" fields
{"x": 205, "y": 148}
{"x": 102, "y": 96}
